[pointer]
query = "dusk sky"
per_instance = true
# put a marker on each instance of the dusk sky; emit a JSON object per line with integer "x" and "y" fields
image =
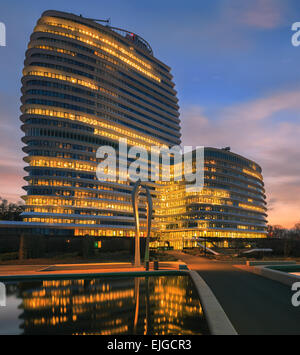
{"x": 236, "y": 73}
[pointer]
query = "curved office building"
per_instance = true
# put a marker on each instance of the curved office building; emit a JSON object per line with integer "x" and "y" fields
{"x": 86, "y": 85}
{"x": 232, "y": 203}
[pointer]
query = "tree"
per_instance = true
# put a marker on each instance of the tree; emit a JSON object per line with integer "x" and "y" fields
{"x": 10, "y": 211}
{"x": 297, "y": 226}
{"x": 277, "y": 231}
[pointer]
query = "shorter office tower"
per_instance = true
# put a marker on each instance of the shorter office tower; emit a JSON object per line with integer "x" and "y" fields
{"x": 231, "y": 204}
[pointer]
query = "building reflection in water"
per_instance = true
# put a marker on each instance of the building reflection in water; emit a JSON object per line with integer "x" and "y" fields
{"x": 109, "y": 306}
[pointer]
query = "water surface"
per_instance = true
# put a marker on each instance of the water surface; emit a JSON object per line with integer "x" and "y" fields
{"x": 107, "y": 306}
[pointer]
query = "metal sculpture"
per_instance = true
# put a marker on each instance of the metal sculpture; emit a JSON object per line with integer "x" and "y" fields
{"x": 135, "y": 202}
{"x": 2, "y": 295}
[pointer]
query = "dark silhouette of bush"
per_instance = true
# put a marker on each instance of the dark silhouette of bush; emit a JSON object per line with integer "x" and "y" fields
{"x": 10, "y": 211}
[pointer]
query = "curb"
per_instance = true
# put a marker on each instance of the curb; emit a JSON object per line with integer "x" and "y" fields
{"x": 217, "y": 320}
{"x": 275, "y": 275}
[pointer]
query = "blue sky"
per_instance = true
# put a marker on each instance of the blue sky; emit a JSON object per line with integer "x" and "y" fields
{"x": 236, "y": 72}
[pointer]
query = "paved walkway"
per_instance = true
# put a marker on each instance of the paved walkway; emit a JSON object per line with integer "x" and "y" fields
{"x": 254, "y": 305}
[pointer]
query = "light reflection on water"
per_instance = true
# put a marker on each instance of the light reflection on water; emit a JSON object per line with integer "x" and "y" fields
{"x": 107, "y": 306}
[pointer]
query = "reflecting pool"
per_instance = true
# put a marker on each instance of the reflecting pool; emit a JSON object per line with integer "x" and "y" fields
{"x": 154, "y": 305}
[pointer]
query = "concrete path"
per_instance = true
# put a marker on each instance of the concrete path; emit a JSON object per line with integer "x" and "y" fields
{"x": 254, "y": 305}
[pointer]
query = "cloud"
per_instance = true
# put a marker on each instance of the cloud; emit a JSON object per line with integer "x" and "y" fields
{"x": 253, "y": 130}
{"x": 11, "y": 164}
{"x": 264, "y": 108}
{"x": 260, "y": 14}
{"x": 11, "y": 182}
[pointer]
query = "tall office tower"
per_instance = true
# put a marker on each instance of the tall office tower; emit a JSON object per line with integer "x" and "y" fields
{"x": 232, "y": 203}
{"x": 87, "y": 85}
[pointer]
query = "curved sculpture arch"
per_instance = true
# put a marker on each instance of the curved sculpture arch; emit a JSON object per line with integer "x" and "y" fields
{"x": 135, "y": 202}
{"x": 2, "y": 295}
